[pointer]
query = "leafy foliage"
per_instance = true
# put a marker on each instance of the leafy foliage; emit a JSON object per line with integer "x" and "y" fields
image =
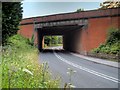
{"x": 112, "y": 45}
{"x": 0, "y": 23}
{"x": 113, "y": 36}
{"x": 21, "y": 68}
{"x": 109, "y": 4}
{"x": 31, "y": 41}
{"x": 11, "y": 17}
{"x": 79, "y": 10}
{"x": 47, "y": 40}
{"x": 52, "y": 40}
{"x": 60, "y": 40}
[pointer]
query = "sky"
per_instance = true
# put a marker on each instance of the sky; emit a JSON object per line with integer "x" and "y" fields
{"x": 33, "y": 9}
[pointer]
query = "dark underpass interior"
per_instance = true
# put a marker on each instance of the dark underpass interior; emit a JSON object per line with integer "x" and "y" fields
{"x": 69, "y": 33}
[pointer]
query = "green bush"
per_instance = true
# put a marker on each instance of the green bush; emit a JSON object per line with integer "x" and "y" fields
{"x": 113, "y": 36}
{"x": 18, "y": 41}
{"x": 115, "y": 48}
{"x": 21, "y": 68}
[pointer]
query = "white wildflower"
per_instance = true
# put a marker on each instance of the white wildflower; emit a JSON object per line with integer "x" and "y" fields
{"x": 28, "y": 71}
{"x": 74, "y": 71}
{"x": 68, "y": 68}
{"x": 68, "y": 72}
{"x": 72, "y": 86}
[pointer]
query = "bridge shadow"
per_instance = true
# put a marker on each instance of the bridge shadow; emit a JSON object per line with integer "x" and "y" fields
{"x": 53, "y": 50}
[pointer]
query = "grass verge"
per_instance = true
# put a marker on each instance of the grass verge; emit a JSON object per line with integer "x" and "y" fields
{"x": 21, "y": 68}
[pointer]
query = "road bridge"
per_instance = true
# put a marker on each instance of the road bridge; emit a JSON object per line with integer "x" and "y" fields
{"x": 81, "y": 31}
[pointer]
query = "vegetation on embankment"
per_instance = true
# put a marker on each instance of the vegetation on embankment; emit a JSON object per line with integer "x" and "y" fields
{"x": 21, "y": 68}
{"x": 112, "y": 44}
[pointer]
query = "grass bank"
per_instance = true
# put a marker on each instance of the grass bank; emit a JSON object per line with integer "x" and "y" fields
{"x": 21, "y": 68}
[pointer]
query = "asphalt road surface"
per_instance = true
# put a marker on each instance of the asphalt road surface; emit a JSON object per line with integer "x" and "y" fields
{"x": 88, "y": 74}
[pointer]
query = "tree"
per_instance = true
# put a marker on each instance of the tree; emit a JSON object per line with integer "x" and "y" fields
{"x": 47, "y": 40}
{"x": 109, "y": 4}
{"x": 79, "y": 10}
{"x": 55, "y": 40}
{"x": 11, "y": 17}
{"x": 0, "y": 23}
{"x": 51, "y": 40}
{"x": 60, "y": 40}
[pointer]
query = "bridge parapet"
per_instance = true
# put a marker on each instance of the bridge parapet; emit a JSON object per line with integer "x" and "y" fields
{"x": 74, "y": 15}
{"x": 82, "y": 15}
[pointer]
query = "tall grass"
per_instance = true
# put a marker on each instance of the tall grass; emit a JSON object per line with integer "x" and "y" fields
{"x": 0, "y": 67}
{"x": 20, "y": 66}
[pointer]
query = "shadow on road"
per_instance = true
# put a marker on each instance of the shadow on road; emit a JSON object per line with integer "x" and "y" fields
{"x": 51, "y": 51}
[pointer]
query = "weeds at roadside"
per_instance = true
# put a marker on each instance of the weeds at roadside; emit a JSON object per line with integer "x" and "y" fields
{"x": 70, "y": 73}
{"x": 21, "y": 68}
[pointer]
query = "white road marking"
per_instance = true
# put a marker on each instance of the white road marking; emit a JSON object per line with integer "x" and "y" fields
{"x": 87, "y": 70}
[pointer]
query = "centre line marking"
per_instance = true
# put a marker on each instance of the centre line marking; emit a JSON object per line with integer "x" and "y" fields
{"x": 87, "y": 70}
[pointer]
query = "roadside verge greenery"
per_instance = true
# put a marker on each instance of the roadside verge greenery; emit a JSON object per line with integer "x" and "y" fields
{"x": 21, "y": 68}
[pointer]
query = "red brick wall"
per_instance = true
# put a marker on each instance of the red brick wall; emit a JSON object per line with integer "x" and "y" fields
{"x": 26, "y": 30}
{"x": 115, "y": 22}
{"x": 96, "y": 33}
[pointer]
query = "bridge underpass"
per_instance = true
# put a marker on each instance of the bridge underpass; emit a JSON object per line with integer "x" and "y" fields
{"x": 70, "y": 34}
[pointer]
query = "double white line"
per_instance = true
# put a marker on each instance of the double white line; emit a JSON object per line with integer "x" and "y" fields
{"x": 88, "y": 70}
